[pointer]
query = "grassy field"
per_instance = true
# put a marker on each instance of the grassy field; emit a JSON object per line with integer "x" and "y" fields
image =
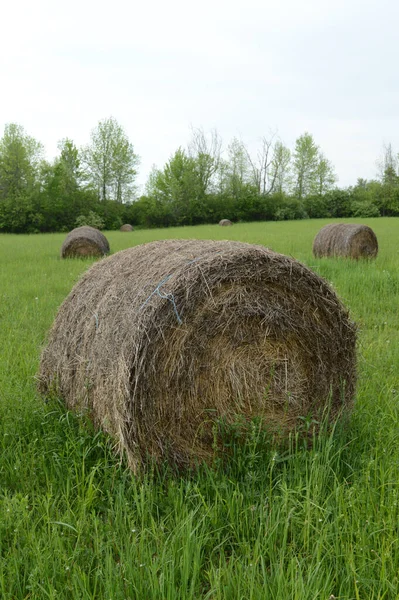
{"x": 275, "y": 523}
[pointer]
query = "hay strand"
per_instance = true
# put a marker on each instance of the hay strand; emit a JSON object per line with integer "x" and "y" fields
{"x": 159, "y": 341}
{"x": 346, "y": 239}
{"x": 84, "y": 241}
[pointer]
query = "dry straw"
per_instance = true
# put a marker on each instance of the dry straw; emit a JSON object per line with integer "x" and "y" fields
{"x": 126, "y": 227}
{"x": 225, "y": 222}
{"x": 84, "y": 241}
{"x": 159, "y": 341}
{"x": 346, "y": 239}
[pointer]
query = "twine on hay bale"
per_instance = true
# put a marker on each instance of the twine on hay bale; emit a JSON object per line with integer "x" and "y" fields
{"x": 84, "y": 241}
{"x": 225, "y": 222}
{"x": 159, "y": 341}
{"x": 126, "y": 227}
{"x": 346, "y": 239}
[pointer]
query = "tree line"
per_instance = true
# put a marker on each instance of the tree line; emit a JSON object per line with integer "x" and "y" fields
{"x": 203, "y": 183}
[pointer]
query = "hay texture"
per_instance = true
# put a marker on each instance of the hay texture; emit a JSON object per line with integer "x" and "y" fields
{"x": 225, "y": 222}
{"x": 126, "y": 227}
{"x": 159, "y": 341}
{"x": 346, "y": 239}
{"x": 84, "y": 241}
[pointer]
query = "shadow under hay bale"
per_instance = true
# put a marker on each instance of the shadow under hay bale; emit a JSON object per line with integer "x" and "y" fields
{"x": 225, "y": 222}
{"x": 347, "y": 240}
{"x": 160, "y": 341}
{"x": 126, "y": 227}
{"x": 84, "y": 241}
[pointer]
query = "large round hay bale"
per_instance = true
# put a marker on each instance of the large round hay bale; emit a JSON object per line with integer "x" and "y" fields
{"x": 225, "y": 222}
{"x": 346, "y": 239}
{"x": 84, "y": 241}
{"x": 159, "y": 341}
{"x": 126, "y": 227}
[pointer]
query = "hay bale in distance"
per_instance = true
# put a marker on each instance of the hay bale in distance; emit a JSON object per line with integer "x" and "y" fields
{"x": 84, "y": 241}
{"x": 225, "y": 222}
{"x": 346, "y": 239}
{"x": 126, "y": 227}
{"x": 159, "y": 341}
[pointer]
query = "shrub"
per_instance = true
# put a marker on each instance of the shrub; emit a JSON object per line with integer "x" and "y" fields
{"x": 91, "y": 220}
{"x": 364, "y": 209}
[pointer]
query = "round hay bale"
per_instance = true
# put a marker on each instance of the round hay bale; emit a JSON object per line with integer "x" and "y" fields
{"x": 225, "y": 222}
{"x": 346, "y": 239}
{"x": 159, "y": 341}
{"x": 84, "y": 241}
{"x": 126, "y": 227}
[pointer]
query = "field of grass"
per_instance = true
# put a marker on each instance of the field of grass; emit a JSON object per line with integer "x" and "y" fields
{"x": 285, "y": 523}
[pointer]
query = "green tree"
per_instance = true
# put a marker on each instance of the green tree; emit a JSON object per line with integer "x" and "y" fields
{"x": 20, "y": 158}
{"x": 63, "y": 195}
{"x": 337, "y": 203}
{"x": 64, "y": 177}
{"x": 236, "y": 170}
{"x": 390, "y": 178}
{"x": 388, "y": 165}
{"x": 385, "y": 193}
{"x": 178, "y": 188}
{"x": 68, "y": 166}
{"x": 281, "y": 165}
{"x": 110, "y": 162}
{"x": 205, "y": 151}
{"x": 324, "y": 176}
{"x": 304, "y": 165}
{"x": 20, "y": 161}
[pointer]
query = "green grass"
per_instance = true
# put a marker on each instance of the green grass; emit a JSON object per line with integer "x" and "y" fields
{"x": 274, "y": 523}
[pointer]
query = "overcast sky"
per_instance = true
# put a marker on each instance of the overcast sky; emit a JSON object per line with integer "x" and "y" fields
{"x": 329, "y": 67}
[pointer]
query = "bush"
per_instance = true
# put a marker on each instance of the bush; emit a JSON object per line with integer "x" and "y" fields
{"x": 316, "y": 207}
{"x": 338, "y": 203}
{"x": 290, "y": 209}
{"x": 20, "y": 215}
{"x": 364, "y": 209}
{"x": 92, "y": 220}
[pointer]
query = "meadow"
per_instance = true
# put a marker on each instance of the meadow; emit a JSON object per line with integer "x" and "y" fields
{"x": 275, "y": 522}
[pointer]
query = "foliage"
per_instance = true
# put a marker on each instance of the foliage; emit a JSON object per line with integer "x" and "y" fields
{"x": 110, "y": 162}
{"x": 200, "y": 184}
{"x": 312, "y": 172}
{"x": 20, "y": 162}
{"x": 338, "y": 203}
{"x": 364, "y": 209}
{"x": 304, "y": 166}
{"x": 325, "y": 177}
{"x": 290, "y": 209}
{"x": 205, "y": 153}
{"x": 281, "y": 167}
{"x": 92, "y": 220}
{"x": 20, "y": 157}
{"x": 180, "y": 187}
